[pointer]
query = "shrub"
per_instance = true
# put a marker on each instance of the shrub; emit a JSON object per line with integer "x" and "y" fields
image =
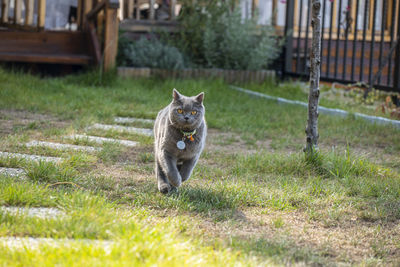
{"x": 216, "y": 36}
{"x": 149, "y": 53}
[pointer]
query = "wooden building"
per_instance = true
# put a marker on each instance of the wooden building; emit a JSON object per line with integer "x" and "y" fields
{"x": 89, "y": 37}
{"x": 360, "y": 37}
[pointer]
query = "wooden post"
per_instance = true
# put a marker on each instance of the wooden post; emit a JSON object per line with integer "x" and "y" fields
{"x": 17, "y": 11}
{"x": 172, "y": 9}
{"x": 152, "y": 11}
{"x": 87, "y": 6}
{"x": 79, "y": 19}
{"x": 4, "y": 10}
{"x": 41, "y": 13}
{"x": 29, "y": 8}
{"x": 313, "y": 97}
{"x": 110, "y": 37}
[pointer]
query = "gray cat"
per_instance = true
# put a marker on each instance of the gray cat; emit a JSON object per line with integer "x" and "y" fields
{"x": 180, "y": 132}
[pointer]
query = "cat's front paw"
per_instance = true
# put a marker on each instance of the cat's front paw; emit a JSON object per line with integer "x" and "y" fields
{"x": 164, "y": 188}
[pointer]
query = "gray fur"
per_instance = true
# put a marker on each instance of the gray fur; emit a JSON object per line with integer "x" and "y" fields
{"x": 174, "y": 166}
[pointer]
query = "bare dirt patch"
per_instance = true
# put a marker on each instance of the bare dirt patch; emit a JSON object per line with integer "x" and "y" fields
{"x": 356, "y": 241}
{"x": 14, "y": 120}
{"x": 218, "y": 141}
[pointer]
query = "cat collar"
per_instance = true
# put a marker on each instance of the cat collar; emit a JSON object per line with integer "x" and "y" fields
{"x": 189, "y": 135}
{"x": 186, "y": 135}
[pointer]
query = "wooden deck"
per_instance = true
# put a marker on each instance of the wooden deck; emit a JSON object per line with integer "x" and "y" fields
{"x": 95, "y": 41}
{"x": 70, "y": 48}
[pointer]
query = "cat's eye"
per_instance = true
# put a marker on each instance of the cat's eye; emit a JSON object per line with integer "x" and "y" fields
{"x": 180, "y": 111}
{"x": 194, "y": 112}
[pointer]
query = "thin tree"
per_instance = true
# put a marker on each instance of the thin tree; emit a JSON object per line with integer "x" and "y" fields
{"x": 313, "y": 97}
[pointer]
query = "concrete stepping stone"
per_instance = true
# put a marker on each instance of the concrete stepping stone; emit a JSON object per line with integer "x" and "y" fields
{"x": 102, "y": 140}
{"x": 40, "y": 212}
{"x": 131, "y": 120}
{"x": 16, "y": 243}
{"x": 119, "y": 128}
{"x": 30, "y": 157}
{"x": 13, "y": 172}
{"x": 63, "y": 146}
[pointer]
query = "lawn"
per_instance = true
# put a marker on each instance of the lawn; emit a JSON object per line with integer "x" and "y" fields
{"x": 252, "y": 200}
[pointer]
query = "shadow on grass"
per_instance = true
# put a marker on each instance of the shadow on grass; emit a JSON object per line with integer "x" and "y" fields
{"x": 281, "y": 251}
{"x": 192, "y": 198}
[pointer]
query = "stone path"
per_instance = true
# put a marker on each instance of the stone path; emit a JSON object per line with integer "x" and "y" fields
{"x": 35, "y": 243}
{"x": 52, "y": 213}
{"x": 63, "y": 146}
{"x": 119, "y": 128}
{"x": 29, "y": 157}
{"x": 40, "y": 212}
{"x": 131, "y": 120}
{"x": 13, "y": 172}
{"x": 102, "y": 140}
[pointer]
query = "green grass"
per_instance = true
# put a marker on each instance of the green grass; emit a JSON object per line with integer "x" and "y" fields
{"x": 339, "y": 99}
{"x": 253, "y": 118}
{"x": 251, "y": 192}
{"x": 92, "y": 217}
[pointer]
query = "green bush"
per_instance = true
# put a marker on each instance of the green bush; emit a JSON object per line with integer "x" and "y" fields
{"x": 149, "y": 53}
{"x": 214, "y": 35}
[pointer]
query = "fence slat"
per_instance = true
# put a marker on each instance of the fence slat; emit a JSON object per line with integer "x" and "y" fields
{"x": 392, "y": 31}
{"x": 299, "y": 38}
{"x": 365, "y": 28}
{"x": 289, "y": 22}
{"x": 354, "y": 42}
{"x": 371, "y": 56}
{"x": 396, "y": 73}
{"x": 382, "y": 36}
{"x": 346, "y": 32}
{"x": 307, "y": 32}
{"x": 338, "y": 39}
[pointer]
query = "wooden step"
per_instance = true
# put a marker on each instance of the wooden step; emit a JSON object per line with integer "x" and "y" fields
{"x": 70, "y": 59}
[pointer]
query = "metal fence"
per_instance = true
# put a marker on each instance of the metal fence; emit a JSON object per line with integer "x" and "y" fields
{"x": 359, "y": 41}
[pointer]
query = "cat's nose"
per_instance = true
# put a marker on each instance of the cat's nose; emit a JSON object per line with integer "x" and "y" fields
{"x": 186, "y": 118}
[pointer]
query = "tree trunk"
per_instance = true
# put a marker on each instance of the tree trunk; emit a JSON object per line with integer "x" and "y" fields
{"x": 313, "y": 97}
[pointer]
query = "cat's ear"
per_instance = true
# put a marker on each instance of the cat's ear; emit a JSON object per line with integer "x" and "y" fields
{"x": 176, "y": 95}
{"x": 200, "y": 97}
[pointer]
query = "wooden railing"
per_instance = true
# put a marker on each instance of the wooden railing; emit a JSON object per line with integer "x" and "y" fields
{"x": 16, "y": 19}
{"x": 97, "y": 22}
{"x": 101, "y": 22}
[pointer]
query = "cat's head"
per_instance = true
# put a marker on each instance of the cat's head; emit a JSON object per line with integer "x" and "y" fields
{"x": 186, "y": 112}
